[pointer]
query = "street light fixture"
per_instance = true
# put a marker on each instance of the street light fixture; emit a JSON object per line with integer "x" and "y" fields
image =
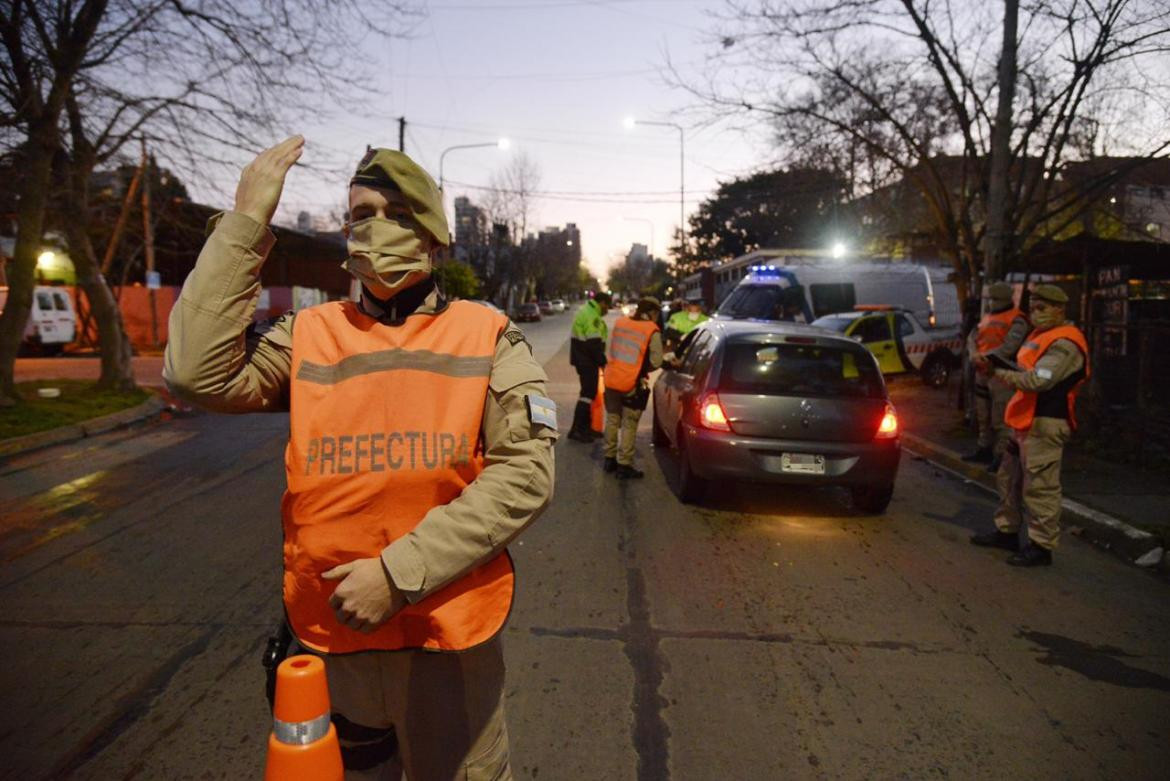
{"x": 630, "y": 123}
{"x": 502, "y": 143}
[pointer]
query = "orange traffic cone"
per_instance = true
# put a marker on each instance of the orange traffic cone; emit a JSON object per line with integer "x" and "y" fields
{"x": 303, "y": 745}
{"x": 597, "y": 408}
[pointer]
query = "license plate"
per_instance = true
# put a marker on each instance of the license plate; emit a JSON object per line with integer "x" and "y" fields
{"x": 802, "y": 463}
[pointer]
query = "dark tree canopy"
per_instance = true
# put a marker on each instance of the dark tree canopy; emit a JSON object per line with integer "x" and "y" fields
{"x": 798, "y": 207}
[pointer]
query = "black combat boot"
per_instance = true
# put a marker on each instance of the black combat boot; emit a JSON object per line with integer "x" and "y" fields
{"x": 581, "y": 430}
{"x": 1031, "y": 555}
{"x": 997, "y": 539}
{"x": 610, "y": 465}
{"x": 981, "y": 456}
{"x": 626, "y": 472}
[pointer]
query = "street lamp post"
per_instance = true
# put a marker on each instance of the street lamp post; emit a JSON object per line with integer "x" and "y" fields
{"x": 682, "y": 226}
{"x": 503, "y": 143}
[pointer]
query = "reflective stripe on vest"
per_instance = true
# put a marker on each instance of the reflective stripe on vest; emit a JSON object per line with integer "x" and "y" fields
{"x": 384, "y": 426}
{"x": 627, "y": 352}
{"x": 1021, "y": 408}
{"x": 993, "y": 329}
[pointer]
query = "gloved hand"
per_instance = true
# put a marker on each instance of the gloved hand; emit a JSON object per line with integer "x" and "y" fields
{"x": 366, "y": 598}
{"x": 262, "y": 180}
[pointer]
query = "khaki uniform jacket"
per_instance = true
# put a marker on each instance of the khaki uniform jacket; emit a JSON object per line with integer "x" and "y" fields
{"x": 217, "y": 359}
{"x": 1061, "y": 360}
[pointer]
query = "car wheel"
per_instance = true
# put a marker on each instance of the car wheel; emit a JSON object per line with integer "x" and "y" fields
{"x": 691, "y": 487}
{"x": 936, "y": 372}
{"x": 657, "y": 435}
{"x": 872, "y": 499}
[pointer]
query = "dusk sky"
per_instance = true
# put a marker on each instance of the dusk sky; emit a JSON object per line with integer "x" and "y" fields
{"x": 556, "y": 77}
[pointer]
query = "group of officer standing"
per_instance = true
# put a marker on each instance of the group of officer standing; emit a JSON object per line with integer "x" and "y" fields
{"x": 636, "y": 349}
{"x": 1029, "y": 370}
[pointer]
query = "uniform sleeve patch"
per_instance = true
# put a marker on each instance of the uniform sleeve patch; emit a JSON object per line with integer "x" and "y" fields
{"x": 1044, "y": 374}
{"x": 514, "y": 337}
{"x": 541, "y": 410}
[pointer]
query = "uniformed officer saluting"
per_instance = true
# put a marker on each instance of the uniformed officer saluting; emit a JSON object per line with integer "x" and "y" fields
{"x": 420, "y": 445}
{"x": 1053, "y": 362}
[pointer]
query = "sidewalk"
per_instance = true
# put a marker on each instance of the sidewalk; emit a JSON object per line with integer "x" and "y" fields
{"x": 1115, "y": 506}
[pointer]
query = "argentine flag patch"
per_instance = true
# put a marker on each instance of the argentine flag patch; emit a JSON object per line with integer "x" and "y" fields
{"x": 542, "y": 410}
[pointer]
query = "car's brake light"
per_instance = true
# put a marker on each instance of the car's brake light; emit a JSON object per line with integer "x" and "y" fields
{"x": 711, "y": 414}
{"x": 888, "y": 428}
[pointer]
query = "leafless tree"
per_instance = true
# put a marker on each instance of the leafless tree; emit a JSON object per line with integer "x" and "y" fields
{"x": 201, "y": 81}
{"x": 905, "y": 92}
{"x": 511, "y": 202}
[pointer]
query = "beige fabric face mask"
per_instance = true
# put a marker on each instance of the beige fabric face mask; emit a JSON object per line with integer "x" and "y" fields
{"x": 383, "y": 254}
{"x": 1049, "y": 318}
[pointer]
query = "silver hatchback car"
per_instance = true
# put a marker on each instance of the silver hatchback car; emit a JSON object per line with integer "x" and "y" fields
{"x": 778, "y": 403}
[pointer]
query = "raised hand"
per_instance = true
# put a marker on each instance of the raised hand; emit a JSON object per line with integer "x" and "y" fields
{"x": 262, "y": 180}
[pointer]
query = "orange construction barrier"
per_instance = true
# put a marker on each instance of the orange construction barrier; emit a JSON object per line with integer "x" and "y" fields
{"x": 597, "y": 408}
{"x": 303, "y": 745}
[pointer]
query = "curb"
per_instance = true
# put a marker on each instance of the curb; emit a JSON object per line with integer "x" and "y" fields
{"x": 1101, "y": 529}
{"x": 87, "y": 428}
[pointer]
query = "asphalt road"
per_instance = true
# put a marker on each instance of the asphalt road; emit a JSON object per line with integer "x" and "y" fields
{"x": 770, "y": 634}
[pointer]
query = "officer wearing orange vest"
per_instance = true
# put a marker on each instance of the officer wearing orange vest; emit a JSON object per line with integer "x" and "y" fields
{"x": 1053, "y": 363}
{"x": 420, "y": 444}
{"x": 1001, "y": 332}
{"x": 635, "y": 350}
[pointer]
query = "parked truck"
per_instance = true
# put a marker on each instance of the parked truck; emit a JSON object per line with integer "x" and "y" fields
{"x": 51, "y": 321}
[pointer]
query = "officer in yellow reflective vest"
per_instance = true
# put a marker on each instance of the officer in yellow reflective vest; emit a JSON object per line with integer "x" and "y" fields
{"x": 682, "y": 321}
{"x": 1052, "y": 365}
{"x": 635, "y": 350}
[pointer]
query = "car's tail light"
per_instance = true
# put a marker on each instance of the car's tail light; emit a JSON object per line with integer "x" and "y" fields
{"x": 888, "y": 428}
{"x": 711, "y": 414}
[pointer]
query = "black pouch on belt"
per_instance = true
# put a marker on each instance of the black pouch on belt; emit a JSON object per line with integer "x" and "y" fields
{"x": 638, "y": 398}
{"x": 274, "y": 653}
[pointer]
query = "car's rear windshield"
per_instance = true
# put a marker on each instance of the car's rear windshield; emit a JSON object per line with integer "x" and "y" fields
{"x": 786, "y": 369}
{"x": 834, "y": 323}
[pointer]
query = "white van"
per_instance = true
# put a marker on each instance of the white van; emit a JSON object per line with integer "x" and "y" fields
{"x": 51, "y": 321}
{"x": 828, "y": 288}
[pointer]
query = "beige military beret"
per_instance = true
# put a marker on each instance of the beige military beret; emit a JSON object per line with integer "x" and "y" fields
{"x": 1000, "y": 291}
{"x": 394, "y": 170}
{"x": 1050, "y": 293}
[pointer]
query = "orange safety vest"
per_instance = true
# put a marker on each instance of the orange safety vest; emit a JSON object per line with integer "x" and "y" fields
{"x": 1059, "y": 401}
{"x": 384, "y": 426}
{"x": 993, "y": 329}
{"x": 627, "y": 351}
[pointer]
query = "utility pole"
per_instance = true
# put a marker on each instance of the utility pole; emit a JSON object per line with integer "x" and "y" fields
{"x": 148, "y": 239}
{"x": 995, "y": 243}
{"x": 402, "y": 134}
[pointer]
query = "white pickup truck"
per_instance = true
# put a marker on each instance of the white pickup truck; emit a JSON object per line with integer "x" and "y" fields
{"x": 900, "y": 342}
{"x": 51, "y": 322}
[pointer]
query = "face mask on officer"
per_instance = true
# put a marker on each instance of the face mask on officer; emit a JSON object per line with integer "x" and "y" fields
{"x": 383, "y": 254}
{"x": 692, "y": 316}
{"x": 1045, "y": 314}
